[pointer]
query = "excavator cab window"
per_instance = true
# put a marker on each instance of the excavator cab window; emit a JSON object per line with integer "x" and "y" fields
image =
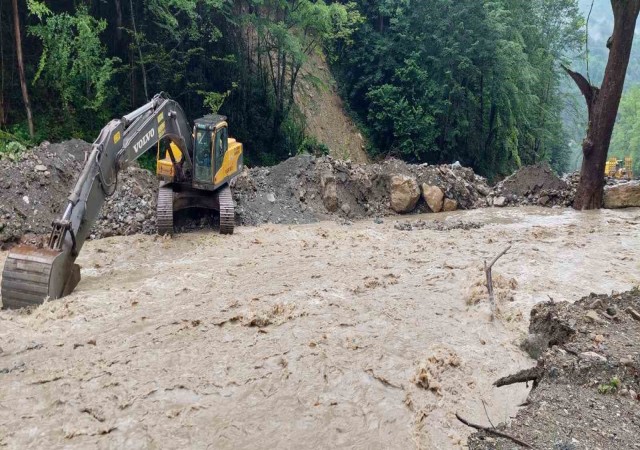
{"x": 221, "y": 145}
{"x": 203, "y": 150}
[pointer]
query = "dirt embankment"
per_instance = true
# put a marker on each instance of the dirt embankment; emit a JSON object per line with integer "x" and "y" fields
{"x": 534, "y": 185}
{"x": 326, "y": 119}
{"x": 304, "y": 189}
{"x": 586, "y": 381}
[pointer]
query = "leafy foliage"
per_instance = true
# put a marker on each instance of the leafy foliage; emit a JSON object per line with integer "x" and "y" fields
{"x": 73, "y": 63}
{"x": 461, "y": 80}
{"x": 437, "y": 81}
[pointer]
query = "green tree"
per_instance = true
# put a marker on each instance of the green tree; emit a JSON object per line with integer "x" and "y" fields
{"x": 461, "y": 80}
{"x": 73, "y": 64}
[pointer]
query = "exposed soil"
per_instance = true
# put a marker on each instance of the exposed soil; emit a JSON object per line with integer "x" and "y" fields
{"x": 306, "y": 336}
{"x": 33, "y": 192}
{"x": 324, "y": 111}
{"x": 587, "y": 383}
{"x": 532, "y": 180}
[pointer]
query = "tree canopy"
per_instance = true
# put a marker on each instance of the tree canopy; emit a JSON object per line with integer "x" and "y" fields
{"x": 427, "y": 81}
{"x": 464, "y": 80}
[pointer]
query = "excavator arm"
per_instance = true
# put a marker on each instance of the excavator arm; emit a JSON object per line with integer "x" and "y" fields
{"x": 31, "y": 275}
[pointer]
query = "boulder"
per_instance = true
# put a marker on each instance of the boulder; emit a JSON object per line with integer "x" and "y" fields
{"x": 434, "y": 197}
{"x": 405, "y": 193}
{"x": 329, "y": 192}
{"x": 622, "y": 195}
{"x": 483, "y": 189}
{"x": 499, "y": 201}
{"x": 449, "y": 205}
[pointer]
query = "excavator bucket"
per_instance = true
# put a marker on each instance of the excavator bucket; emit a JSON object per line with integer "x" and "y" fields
{"x": 32, "y": 275}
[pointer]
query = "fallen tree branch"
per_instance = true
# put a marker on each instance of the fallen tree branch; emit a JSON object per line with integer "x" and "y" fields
{"x": 487, "y": 271}
{"x": 494, "y": 432}
{"x": 524, "y": 376}
{"x": 633, "y": 313}
{"x": 486, "y": 413}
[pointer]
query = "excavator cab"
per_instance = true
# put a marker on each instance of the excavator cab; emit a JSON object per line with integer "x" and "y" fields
{"x": 217, "y": 158}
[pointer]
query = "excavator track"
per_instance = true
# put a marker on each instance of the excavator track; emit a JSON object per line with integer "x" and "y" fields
{"x": 227, "y": 210}
{"x": 25, "y": 277}
{"x": 165, "y": 210}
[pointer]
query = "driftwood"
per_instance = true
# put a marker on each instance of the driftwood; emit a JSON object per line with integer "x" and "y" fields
{"x": 494, "y": 432}
{"x": 524, "y": 376}
{"x": 633, "y": 313}
{"x": 487, "y": 271}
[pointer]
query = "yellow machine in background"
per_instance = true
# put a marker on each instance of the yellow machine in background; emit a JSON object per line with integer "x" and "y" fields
{"x": 618, "y": 168}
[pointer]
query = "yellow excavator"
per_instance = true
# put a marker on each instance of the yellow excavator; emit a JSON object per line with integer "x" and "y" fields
{"x": 618, "y": 168}
{"x": 194, "y": 165}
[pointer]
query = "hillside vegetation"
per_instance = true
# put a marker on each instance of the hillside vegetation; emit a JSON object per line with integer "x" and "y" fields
{"x": 432, "y": 82}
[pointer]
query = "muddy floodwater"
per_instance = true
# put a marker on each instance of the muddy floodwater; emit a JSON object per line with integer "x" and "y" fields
{"x": 313, "y": 336}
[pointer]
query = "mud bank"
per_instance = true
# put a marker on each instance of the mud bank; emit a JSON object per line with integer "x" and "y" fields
{"x": 586, "y": 381}
{"x": 308, "y": 336}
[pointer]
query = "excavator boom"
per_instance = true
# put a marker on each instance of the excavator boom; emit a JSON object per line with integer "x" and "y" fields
{"x": 31, "y": 275}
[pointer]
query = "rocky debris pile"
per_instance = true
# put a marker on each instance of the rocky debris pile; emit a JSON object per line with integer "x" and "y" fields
{"x": 305, "y": 189}
{"x": 533, "y": 185}
{"x": 132, "y": 208}
{"x": 586, "y": 381}
{"x": 286, "y": 193}
{"x": 437, "y": 225}
{"x": 34, "y": 189}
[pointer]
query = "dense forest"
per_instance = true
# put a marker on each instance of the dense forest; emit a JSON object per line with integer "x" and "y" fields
{"x": 88, "y": 61}
{"x": 427, "y": 81}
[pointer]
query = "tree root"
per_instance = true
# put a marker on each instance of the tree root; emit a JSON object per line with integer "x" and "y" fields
{"x": 494, "y": 432}
{"x": 524, "y": 376}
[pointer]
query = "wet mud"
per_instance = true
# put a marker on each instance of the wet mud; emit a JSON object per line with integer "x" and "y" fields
{"x": 323, "y": 335}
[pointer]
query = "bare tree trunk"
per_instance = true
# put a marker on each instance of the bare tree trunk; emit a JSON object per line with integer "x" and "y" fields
{"x": 144, "y": 71}
{"x": 23, "y": 80}
{"x": 2, "y": 109}
{"x": 118, "y": 21}
{"x": 602, "y": 104}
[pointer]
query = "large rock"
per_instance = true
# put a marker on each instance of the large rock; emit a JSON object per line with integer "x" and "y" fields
{"x": 622, "y": 196}
{"x": 329, "y": 192}
{"x": 434, "y": 197}
{"x": 499, "y": 201}
{"x": 405, "y": 193}
{"x": 449, "y": 205}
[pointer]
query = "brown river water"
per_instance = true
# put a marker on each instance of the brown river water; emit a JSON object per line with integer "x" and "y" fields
{"x": 306, "y": 336}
